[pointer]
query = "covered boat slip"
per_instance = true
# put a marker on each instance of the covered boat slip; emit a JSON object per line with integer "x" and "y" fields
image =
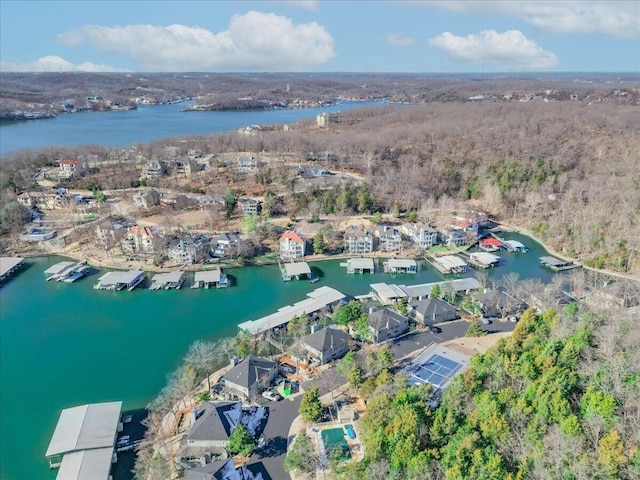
{"x": 556, "y": 264}
{"x": 58, "y": 269}
{"x": 400, "y": 265}
{"x": 167, "y": 280}
{"x": 8, "y": 265}
{"x": 359, "y": 265}
{"x": 449, "y": 264}
{"x": 319, "y": 299}
{"x": 120, "y": 280}
{"x": 66, "y": 271}
{"x": 210, "y": 278}
{"x": 295, "y": 270}
{"x": 83, "y": 441}
{"x": 483, "y": 259}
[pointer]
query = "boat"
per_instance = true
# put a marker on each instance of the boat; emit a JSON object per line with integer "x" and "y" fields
{"x": 80, "y": 272}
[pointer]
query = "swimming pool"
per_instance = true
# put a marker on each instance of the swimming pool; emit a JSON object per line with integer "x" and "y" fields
{"x": 334, "y": 442}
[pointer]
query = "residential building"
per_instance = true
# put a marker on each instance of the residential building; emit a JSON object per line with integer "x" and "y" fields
{"x": 146, "y": 198}
{"x": 154, "y": 168}
{"x": 109, "y": 233}
{"x": 456, "y": 237}
{"x": 386, "y": 323}
{"x": 292, "y": 245}
{"x": 247, "y": 163}
{"x": 28, "y": 199}
{"x": 249, "y": 205}
{"x": 324, "y": 119}
{"x": 186, "y": 167}
{"x": 212, "y": 424}
{"x": 70, "y": 169}
{"x": 139, "y": 239}
{"x": 433, "y": 310}
{"x": 389, "y": 238}
{"x": 249, "y": 377}
{"x": 422, "y": 236}
{"x": 225, "y": 470}
{"x": 499, "y": 304}
{"x": 327, "y": 344}
{"x": 187, "y": 250}
{"x": 225, "y": 245}
{"x": 358, "y": 240}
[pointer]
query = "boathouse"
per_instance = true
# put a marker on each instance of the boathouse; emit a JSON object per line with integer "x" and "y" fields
{"x": 119, "y": 280}
{"x": 9, "y": 265}
{"x": 167, "y": 280}
{"x": 515, "y": 246}
{"x": 321, "y": 299}
{"x": 359, "y": 265}
{"x": 556, "y": 264}
{"x": 491, "y": 244}
{"x": 295, "y": 270}
{"x": 422, "y": 291}
{"x": 387, "y": 294}
{"x": 211, "y": 278}
{"x": 450, "y": 264}
{"x": 483, "y": 259}
{"x": 83, "y": 442}
{"x": 400, "y": 265}
{"x": 58, "y": 270}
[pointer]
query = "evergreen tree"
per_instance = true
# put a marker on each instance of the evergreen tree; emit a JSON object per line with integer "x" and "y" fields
{"x": 310, "y": 406}
{"x": 241, "y": 442}
{"x": 229, "y": 202}
{"x": 475, "y": 330}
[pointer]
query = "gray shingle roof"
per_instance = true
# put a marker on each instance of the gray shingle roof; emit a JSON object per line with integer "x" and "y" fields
{"x": 249, "y": 370}
{"x": 211, "y": 421}
{"x": 326, "y": 339}
{"x": 386, "y": 318}
{"x": 434, "y": 307}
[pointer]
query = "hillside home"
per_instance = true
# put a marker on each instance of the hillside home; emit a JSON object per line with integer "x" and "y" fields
{"x": 422, "y": 236}
{"x": 389, "y": 238}
{"x": 386, "y": 323}
{"x": 71, "y": 169}
{"x": 249, "y": 206}
{"x": 247, "y": 164}
{"x": 146, "y": 198}
{"x": 154, "y": 168}
{"x": 358, "y": 240}
{"x": 187, "y": 250}
{"x": 327, "y": 344}
{"x": 224, "y": 245}
{"x": 249, "y": 377}
{"x": 139, "y": 239}
{"x": 292, "y": 245}
{"x": 433, "y": 310}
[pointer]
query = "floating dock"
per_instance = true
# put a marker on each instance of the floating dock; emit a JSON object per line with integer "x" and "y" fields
{"x": 359, "y": 265}
{"x": 447, "y": 264}
{"x": 118, "y": 280}
{"x": 483, "y": 260}
{"x": 557, "y": 265}
{"x": 66, "y": 271}
{"x": 212, "y": 278}
{"x": 9, "y": 265}
{"x": 167, "y": 281}
{"x": 400, "y": 265}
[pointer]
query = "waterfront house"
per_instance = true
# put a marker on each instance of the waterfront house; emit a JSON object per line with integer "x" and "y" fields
{"x": 154, "y": 168}
{"x": 70, "y": 169}
{"x": 433, "y": 310}
{"x": 146, "y": 198}
{"x": 292, "y": 245}
{"x": 386, "y": 323}
{"x": 187, "y": 250}
{"x": 389, "y": 238}
{"x": 327, "y": 344}
{"x": 422, "y": 236}
{"x": 109, "y": 233}
{"x": 225, "y": 245}
{"x": 139, "y": 239}
{"x": 498, "y": 304}
{"x": 249, "y": 206}
{"x": 247, "y": 164}
{"x": 358, "y": 240}
{"x": 84, "y": 440}
{"x": 250, "y": 376}
{"x": 455, "y": 237}
{"x": 212, "y": 424}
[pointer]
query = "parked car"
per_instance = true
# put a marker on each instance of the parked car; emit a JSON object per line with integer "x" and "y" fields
{"x": 485, "y": 321}
{"x": 271, "y": 395}
{"x": 286, "y": 368}
{"x": 435, "y": 330}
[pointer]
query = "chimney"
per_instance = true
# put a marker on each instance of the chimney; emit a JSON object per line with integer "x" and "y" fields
{"x": 194, "y": 416}
{"x": 234, "y": 361}
{"x": 372, "y": 309}
{"x": 314, "y": 328}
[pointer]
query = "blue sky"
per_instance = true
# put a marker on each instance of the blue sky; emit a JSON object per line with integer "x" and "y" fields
{"x": 320, "y": 36}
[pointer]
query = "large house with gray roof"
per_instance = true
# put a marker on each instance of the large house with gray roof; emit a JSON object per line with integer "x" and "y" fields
{"x": 249, "y": 377}
{"x": 434, "y": 310}
{"x": 213, "y": 423}
{"x": 326, "y": 344}
{"x": 386, "y": 323}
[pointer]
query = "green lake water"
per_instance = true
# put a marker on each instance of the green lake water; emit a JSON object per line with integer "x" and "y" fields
{"x": 63, "y": 345}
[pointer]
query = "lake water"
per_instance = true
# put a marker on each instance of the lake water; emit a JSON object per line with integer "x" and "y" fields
{"x": 67, "y": 344}
{"x": 146, "y": 123}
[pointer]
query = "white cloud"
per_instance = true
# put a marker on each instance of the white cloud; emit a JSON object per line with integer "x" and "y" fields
{"x": 614, "y": 18}
{"x": 253, "y": 41}
{"x": 398, "y": 40}
{"x": 510, "y": 50}
{"x": 313, "y": 5}
{"x": 53, "y": 63}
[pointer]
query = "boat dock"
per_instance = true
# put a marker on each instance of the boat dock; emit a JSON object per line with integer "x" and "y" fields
{"x": 447, "y": 264}
{"x": 211, "y": 278}
{"x": 491, "y": 244}
{"x": 557, "y": 265}
{"x": 295, "y": 270}
{"x": 9, "y": 265}
{"x": 167, "y": 280}
{"x": 66, "y": 271}
{"x": 359, "y": 265}
{"x": 515, "y": 246}
{"x": 77, "y": 274}
{"x": 400, "y": 265}
{"x": 115, "y": 281}
{"x": 483, "y": 260}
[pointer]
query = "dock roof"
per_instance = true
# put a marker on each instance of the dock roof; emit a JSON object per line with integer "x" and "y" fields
{"x": 457, "y": 285}
{"x": 514, "y": 244}
{"x": 450, "y": 261}
{"x": 318, "y": 299}
{"x": 485, "y": 257}
{"x": 85, "y": 427}
{"x": 170, "y": 277}
{"x": 92, "y": 464}
{"x": 116, "y": 278}
{"x": 8, "y": 263}
{"x": 360, "y": 263}
{"x": 208, "y": 276}
{"x": 555, "y": 262}
{"x": 297, "y": 268}
{"x": 58, "y": 267}
{"x": 387, "y": 293}
{"x": 401, "y": 262}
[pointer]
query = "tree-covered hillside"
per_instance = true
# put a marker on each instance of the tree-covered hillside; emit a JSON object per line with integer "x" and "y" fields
{"x": 559, "y": 399}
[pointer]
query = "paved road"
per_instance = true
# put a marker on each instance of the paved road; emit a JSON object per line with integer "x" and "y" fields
{"x": 281, "y": 416}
